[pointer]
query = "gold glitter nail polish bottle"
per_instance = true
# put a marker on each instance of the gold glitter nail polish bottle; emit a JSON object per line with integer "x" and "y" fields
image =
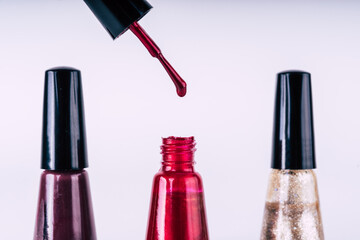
{"x": 292, "y": 209}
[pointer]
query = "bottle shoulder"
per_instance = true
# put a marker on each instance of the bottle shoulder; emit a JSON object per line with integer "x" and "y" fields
{"x": 177, "y": 175}
{"x": 178, "y": 182}
{"x": 64, "y": 175}
{"x": 289, "y": 175}
{"x": 292, "y": 186}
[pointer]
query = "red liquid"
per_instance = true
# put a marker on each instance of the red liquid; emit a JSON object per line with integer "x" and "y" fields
{"x": 64, "y": 207}
{"x": 155, "y": 51}
{"x": 177, "y": 210}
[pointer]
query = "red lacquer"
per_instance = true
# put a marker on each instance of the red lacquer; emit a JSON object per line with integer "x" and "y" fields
{"x": 155, "y": 51}
{"x": 64, "y": 208}
{"x": 117, "y": 16}
{"x": 177, "y": 210}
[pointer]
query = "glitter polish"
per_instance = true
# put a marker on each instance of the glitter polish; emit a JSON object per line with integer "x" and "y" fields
{"x": 64, "y": 207}
{"x": 292, "y": 210}
{"x": 177, "y": 209}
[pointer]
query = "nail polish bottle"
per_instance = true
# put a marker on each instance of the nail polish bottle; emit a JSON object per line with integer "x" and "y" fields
{"x": 64, "y": 207}
{"x": 292, "y": 203}
{"x": 177, "y": 209}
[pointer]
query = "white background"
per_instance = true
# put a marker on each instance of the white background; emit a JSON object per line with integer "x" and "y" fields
{"x": 229, "y": 53}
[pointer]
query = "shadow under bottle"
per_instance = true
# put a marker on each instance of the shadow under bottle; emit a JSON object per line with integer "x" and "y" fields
{"x": 177, "y": 209}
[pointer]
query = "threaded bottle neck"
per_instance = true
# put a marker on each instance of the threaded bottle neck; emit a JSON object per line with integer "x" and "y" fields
{"x": 178, "y": 153}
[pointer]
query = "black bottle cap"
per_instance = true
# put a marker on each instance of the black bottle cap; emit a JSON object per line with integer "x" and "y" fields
{"x": 117, "y": 15}
{"x": 64, "y": 135}
{"x": 293, "y": 136}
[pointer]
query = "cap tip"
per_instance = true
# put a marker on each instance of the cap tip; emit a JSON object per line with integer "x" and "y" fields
{"x": 62, "y": 68}
{"x": 300, "y": 72}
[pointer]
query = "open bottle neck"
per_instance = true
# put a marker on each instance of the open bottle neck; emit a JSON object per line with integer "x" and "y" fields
{"x": 178, "y": 154}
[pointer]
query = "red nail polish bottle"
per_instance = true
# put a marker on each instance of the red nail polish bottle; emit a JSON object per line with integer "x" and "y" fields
{"x": 177, "y": 210}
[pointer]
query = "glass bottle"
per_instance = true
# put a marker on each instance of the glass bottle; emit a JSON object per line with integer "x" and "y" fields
{"x": 177, "y": 209}
{"x": 64, "y": 207}
{"x": 292, "y": 209}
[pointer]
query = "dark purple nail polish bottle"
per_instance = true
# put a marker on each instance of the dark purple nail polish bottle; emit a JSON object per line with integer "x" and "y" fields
{"x": 64, "y": 208}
